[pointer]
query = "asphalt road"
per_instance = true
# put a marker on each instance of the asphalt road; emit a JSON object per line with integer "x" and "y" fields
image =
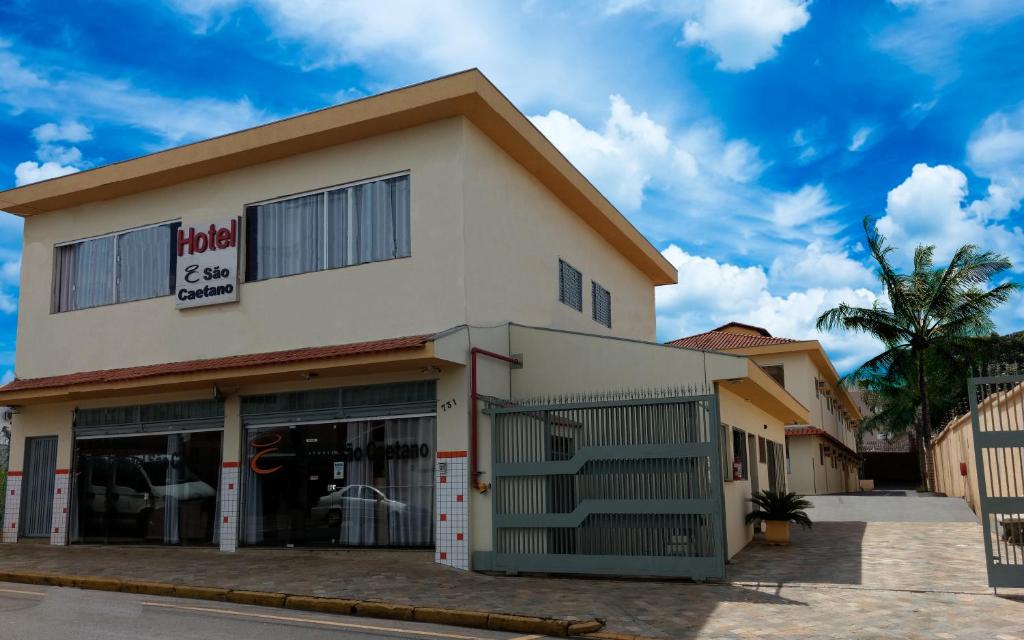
{"x": 55, "y": 613}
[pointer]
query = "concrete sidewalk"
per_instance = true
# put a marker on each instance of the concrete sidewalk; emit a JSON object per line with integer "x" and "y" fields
{"x": 841, "y": 579}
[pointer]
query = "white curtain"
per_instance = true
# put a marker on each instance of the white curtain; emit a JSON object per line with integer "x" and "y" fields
{"x": 411, "y": 482}
{"x": 369, "y": 222}
{"x": 252, "y": 511}
{"x": 358, "y": 505}
{"x": 85, "y": 272}
{"x": 144, "y": 263}
{"x": 172, "y": 482}
{"x": 289, "y": 236}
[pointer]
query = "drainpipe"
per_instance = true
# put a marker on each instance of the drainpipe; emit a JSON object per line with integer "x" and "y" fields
{"x": 474, "y": 397}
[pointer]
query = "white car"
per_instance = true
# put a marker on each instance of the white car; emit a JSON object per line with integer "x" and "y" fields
{"x": 357, "y": 501}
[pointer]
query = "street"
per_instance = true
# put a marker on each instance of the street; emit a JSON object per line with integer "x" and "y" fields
{"x": 54, "y": 613}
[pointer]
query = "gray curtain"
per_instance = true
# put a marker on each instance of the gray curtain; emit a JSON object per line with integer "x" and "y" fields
{"x": 85, "y": 274}
{"x": 358, "y": 507}
{"x": 143, "y": 263}
{"x": 411, "y": 483}
{"x": 369, "y": 222}
{"x": 172, "y": 482}
{"x": 252, "y": 511}
{"x": 289, "y": 236}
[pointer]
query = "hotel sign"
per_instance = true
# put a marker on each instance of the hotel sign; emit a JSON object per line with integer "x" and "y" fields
{"x": 207, "y": 270}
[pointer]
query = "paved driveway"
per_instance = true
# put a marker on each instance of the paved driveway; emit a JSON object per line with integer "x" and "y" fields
{"x": 838, "y": 580}
{"x": 890, "y": 506}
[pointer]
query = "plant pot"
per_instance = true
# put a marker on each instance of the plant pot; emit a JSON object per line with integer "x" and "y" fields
{"x": 776, "y": 531}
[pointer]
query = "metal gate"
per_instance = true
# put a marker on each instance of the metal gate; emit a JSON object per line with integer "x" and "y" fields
{"x": 997, "y": 418}
{"x": 625, "y": 485}
{"x": 38, "y": 485}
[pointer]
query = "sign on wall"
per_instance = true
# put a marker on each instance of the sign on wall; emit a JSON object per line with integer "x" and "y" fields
{"x": 207, "y": 265}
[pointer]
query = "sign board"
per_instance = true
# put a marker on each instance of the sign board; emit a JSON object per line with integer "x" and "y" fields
{"x": 339, "y": 470}
{"x": 207, "y": 270}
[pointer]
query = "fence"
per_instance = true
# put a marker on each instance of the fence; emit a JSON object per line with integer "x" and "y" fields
{"x": 628, "y": 485}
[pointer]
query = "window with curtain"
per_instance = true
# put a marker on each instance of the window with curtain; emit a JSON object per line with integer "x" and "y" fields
{"x": 341, "y": 227}
{"x": 122, "y": 267}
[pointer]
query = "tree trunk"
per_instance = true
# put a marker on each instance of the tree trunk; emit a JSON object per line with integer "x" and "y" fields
{"x": 925, "y": 433}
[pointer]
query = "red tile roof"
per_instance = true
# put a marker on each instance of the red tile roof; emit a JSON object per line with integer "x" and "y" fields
{"x": 815, "y": 431}
{"x": 308, "y": 354}
{"x": 716, "y": 340}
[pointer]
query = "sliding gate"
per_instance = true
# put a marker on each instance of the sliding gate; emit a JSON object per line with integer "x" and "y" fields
{"x": 621, "y": 485}
{"x": 997, "y": 417}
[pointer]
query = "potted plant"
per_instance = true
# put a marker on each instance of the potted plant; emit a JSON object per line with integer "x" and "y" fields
{"x": 777, "y": 509}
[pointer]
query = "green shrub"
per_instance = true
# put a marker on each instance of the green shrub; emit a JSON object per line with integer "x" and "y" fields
{"x": 778, "y": 505}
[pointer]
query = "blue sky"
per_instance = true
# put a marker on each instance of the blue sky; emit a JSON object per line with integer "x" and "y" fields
{"x": 746, "y": 138}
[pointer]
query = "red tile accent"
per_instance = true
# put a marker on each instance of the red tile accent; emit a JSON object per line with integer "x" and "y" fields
{"x": 65, "y": 509}
{"x": 444, "y": 556}
{"x": 452, "y": 454}
{"x": 62, "y": 472}
{"x": 444, "y": 517}
{"x": 231, "y": 486}
{"x": 443, "y": 479}
{"x": 225, "y": 519}
{"x": 12, "y": 492}
{"x": 14, "y": 474}
{"x": 458, "y": 498}
{"x": 56, "y": 529}
{"x": 219, "y": 364}
{"x": 230, "y": 465}
{"x": 58, "y": 490}
{"x": 458, "y": 536}
{"x": 12, "y": 524}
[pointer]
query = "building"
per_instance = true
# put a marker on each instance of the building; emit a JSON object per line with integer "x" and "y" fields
{"x": 821, "y": 454}
{"x": 304, "y": 334}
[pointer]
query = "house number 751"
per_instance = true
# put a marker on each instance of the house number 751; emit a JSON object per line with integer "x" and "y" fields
{"x": 448, "y": 405}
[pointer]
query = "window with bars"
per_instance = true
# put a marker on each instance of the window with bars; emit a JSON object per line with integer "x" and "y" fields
{"x": 120, "y": 267}
{"x": 570, "y": 285}
{"x": 602, "y": 303}
{"x": 337, "y": 227}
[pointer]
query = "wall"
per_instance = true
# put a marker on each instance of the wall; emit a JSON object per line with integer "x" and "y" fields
{"x": 516, "y": 231}
{"x": 424, "y": 293}
{"x": 740, "y": 414}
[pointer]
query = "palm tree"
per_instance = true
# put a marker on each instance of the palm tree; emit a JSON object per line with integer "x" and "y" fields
{"x": 930, "y": 309}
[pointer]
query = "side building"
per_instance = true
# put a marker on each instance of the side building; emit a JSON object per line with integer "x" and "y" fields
{"x": 401, "y": 322}
{"x": 821, "y": 453}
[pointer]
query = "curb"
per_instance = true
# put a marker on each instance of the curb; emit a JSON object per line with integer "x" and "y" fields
{"x": 339, "y": 606}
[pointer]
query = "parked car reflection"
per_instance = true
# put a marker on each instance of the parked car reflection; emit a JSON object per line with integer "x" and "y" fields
{"x": 355, "y": 501}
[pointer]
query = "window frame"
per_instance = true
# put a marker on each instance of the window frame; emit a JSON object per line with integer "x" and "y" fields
{"x": 55, "y": 279}
{"x": 595, "y": 288}
{"x": 324, "y": 261}
{"x": 744, "y": 454}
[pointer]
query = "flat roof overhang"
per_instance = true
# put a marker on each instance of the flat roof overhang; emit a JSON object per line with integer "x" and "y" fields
{"x": 415, "y": 353}
{"x": 760, "y": 389}
{"x": 469, "y": 94}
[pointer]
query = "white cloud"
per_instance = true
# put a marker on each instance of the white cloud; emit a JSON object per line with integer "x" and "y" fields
{"x": 61, "y": 91}
{"x": 807, "y": 207}
{"x": 632, "y": 152}
{"x": 859, "y": 139}
{"x": 745, "y": 33}
{"x": 29, "y": 171}
{"x": 996, "y": 152}
{"x": 67, "y": 131}
{"x": 819, "y": 265}
{"x": 711, "y": 293}
{"x": 928, "y": 208}
{"x": 10, "y": 271}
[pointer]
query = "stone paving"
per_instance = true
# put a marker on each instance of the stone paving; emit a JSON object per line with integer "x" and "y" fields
{"x": 839, "y": 580}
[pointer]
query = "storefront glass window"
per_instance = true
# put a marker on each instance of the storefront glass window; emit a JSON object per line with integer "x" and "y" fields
{"x": 152, "y": 489}
{"x": 366, "y": 483}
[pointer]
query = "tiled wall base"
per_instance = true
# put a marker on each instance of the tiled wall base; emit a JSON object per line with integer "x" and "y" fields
{"x": 451, "y": 480}
{"x": 12, "y": 504}
{"x": 229, "y": 475}
{"x": 61, "y": 507}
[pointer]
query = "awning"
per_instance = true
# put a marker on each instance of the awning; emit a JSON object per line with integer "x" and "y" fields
{"x": 376, "y": 355}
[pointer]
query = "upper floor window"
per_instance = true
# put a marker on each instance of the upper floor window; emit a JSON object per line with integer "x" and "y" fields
{"x": 340, "y": 227}
{"x": 602, "y": 303}
{"x": 570, "y": 285}
{"x": 776, "y": 371}
{"x": 121, "y": 267}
